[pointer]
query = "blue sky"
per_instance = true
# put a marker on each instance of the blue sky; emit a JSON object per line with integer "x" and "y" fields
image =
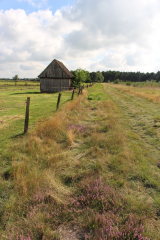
{"x": 94, "y": 35}
{"x": 29, "y": 7}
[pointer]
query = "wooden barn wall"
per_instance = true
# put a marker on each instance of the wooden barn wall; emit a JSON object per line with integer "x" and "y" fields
{"x": 54, "y": 85}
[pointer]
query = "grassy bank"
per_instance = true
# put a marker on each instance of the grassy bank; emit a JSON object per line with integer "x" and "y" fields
{"x": 82, "y": 173}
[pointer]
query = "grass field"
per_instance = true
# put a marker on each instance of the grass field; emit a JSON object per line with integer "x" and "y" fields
{"x": 149, "y": 92}
{"x": 13, "y": 104}
{"x": 88, "y": 171}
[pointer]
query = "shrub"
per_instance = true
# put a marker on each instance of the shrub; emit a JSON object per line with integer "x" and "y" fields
{"x": 90, "y": 97}
{"x": 116, "y": 81}
{"x": 128, "y": 83}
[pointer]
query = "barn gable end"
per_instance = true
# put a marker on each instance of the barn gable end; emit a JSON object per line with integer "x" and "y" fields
{"x": 56, "y": 69}
{"x": 55, "y": 78}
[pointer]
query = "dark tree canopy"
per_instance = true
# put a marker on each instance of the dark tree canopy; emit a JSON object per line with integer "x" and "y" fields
{"x": 111, "y": 76}
{"x": 97, "y": 77}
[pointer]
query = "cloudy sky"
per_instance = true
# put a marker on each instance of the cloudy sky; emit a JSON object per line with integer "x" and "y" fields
{"x": 103, "y": 35}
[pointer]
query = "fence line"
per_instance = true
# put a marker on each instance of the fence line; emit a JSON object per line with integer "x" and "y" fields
{"x": 26, "y": 124}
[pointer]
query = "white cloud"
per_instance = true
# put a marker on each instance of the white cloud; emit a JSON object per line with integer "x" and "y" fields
{"x": 96, "y": 35}
{"x": 129, "y": 28}
{"x": 37, "y": 37}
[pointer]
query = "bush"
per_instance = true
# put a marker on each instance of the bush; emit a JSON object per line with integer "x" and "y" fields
{"x": 90, "y": 98}
{"x": 116, "y": 81}
{"x": 128, "y": 83}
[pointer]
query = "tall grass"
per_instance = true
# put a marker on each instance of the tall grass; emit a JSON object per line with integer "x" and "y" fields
{"x": 151, "y": 83}
{"x": 75, "y": 169}
{"x": 151, "y": 92}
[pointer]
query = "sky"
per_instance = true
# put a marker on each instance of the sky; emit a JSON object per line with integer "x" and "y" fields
{"x": 120, "y": 35}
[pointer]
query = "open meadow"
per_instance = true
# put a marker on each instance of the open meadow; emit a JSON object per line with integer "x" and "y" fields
{"x": 13, "y": 106}
{"x": 91, "y": 170}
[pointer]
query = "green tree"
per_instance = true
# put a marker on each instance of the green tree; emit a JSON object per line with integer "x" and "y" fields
{"x": 80, "y": 77}
{"x": 15, "y": 78}
{"x": 97, "y": 77}
{"x": 88, "y": 77}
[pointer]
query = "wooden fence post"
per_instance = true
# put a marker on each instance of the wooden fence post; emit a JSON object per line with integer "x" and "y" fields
{"x": 27, "y": 115}
{"x": 87, "y": 85}
{"x": 72, "y": 95}
{"x": 79, "y": 91}
{"x": 58, "y": 101}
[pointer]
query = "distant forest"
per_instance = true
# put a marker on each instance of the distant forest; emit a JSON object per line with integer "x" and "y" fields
{"x": 129, "y": 76}
{"x": 112, "y": 76}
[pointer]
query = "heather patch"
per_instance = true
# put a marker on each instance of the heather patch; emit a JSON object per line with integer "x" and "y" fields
{"x": 79, "y": 128}
{"x": 104, "y": 213}
{"x": 96, "y": 208}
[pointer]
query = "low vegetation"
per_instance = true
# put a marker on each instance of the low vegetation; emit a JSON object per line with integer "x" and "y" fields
{"x": 13, "y": 104}
{"x": 147, "y": 90}
{"x": 82, "y": 173}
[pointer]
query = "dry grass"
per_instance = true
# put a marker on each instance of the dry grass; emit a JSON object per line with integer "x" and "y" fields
{"x": 70, "y": 137}
{"x": 44, "y": 148}
{"x": 5, "y": 121}
{"x": 56, "y": 158}
{"x": 3, "y": 124}
{"x": 153, "y": 94}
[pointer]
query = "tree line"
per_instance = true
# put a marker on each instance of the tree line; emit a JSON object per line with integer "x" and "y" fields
{"x": 82, "y": 76}
{"x": 111, "y": 76}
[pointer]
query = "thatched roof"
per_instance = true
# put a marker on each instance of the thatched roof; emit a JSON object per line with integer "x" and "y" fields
{"x": 56, "y": 69}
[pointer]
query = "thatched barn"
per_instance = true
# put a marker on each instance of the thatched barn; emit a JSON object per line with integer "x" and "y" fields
{"x": 55, "y": 78}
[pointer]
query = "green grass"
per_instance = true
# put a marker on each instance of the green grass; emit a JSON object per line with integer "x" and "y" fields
{"x": 6, "y": 83}
{"x": 103, "y": 136}
{"x": 13, "y": 105}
